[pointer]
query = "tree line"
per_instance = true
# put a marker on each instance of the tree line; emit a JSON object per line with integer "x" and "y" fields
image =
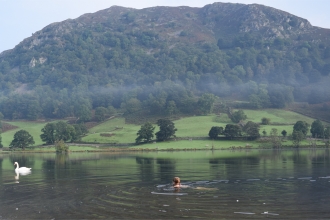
{"x": 61, "y": 132}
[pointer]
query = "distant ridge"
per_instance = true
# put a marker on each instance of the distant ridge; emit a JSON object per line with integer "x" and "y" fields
{"x": 133, "y": 57}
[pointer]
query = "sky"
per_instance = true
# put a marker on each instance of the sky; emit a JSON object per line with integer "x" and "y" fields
{"x": 20, "y": 18}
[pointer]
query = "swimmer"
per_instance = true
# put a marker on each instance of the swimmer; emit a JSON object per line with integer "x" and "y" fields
{"x": 176, "y": 182}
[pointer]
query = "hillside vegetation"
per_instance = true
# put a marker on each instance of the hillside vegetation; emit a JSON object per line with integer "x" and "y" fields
{"x": 160, "y": 60}
{"x": 192, "y": 132}
{"x": 196, "y": 126}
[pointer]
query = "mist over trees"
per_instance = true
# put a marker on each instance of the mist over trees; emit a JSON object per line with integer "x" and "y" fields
{"x": 110, "y": 65}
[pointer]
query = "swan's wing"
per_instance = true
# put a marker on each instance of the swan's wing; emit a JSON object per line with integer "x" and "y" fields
{"x": 24, "y": 170}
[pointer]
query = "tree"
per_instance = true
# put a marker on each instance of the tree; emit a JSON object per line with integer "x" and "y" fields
{"x": 260, "y": 100}
{"x": 1, "y": 145}
{"x": 274, "y": 138}
{"x": 79, "y": 131}
{"x": 280, "y": 95}
{"x": 100, "y": 113}
{"x": 255, "y": 101}
{"x": 284, "y": 133}
{"x": 205, "y": 103}
{"x": 232, "y": 131}
{"x": 60, "y": 146}
{"x": 84, "y": 113}
{"x": 48, "y": 133}
{"x": 171, "y": 108}
{"x": 301, "y": 126}
{"x": 131, "y": 106}
{"x": 111, "y": 110}
{"x": 317, "y": 129}
{"x": 166, "y": 129}
{"x": 33, "y": 110}
{"x": 215, "y": 131}
{"x": 238, "y": 116}
{"x": 22, "y": 139}
{"x": 252, "y": 130}
{"x": 1, "y": 118}
{"x": 265, "y": 121}
{"x": 157, "y": 103}
{"x": 297, "y": 137}
{"x": 146, "y": 133}
{"x": 54, "y": 132}
{"x": 327, "y": 132}
{"x": 64, "y": 131}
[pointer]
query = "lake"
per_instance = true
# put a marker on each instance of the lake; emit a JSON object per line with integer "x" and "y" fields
{"x": 223, "y": 184}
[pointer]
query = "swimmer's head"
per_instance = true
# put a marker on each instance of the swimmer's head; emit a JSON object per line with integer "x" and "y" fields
{"x": 176, "y": 180}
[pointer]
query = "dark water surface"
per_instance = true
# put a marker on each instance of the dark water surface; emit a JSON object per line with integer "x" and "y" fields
{"x": 293, "y": 184}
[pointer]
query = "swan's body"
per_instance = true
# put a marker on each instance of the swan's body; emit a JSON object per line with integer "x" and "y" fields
{"x": 21, "y": 169}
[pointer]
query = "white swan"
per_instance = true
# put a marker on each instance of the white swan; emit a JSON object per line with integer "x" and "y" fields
{"x": 22, "y": 170}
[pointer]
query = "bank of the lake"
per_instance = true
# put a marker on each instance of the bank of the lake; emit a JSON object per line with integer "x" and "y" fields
{"x": 179, "y": 145}
{"x": 192, "y": 133}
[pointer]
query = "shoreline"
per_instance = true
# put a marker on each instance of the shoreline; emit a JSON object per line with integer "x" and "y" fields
{"x": 121, "y": 149}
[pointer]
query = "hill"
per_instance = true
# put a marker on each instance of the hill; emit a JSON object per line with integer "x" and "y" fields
{"x": 161, "y": 59}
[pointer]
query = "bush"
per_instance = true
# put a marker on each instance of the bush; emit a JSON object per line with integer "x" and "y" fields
{"x": 238, "y": 116}
{"x": 60, "y": 147}
{"x": 265, "y": 121}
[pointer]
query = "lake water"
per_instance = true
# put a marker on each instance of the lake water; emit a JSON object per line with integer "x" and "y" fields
{"x": 254, "y": 184}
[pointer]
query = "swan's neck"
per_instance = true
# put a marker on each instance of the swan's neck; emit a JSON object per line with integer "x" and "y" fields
{"x": 17, "y": 166}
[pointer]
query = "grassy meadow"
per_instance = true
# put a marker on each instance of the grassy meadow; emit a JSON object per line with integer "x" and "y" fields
{"x": 117, "y": 131}
{"x": 34, "y": 128}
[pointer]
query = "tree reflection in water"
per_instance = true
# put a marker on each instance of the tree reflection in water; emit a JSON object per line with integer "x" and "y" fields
{"x": 146, "y": 168}
{"x": 166, "y": 169}
{"x": 222, "y": 168}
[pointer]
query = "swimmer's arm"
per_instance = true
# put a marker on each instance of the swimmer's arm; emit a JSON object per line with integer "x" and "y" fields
{"x": 204, "y": 188}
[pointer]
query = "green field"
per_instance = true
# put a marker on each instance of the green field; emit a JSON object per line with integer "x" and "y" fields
{"x": 197, "y": 126}
{"x": 34, "y": 128}
{"x": 117, "y": 131}
{"x": 276, "y": 116}
{"x": 121, "y": 132}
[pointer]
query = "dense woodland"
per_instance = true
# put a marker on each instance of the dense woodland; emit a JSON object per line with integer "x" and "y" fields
{"x": 108, "y": 67}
